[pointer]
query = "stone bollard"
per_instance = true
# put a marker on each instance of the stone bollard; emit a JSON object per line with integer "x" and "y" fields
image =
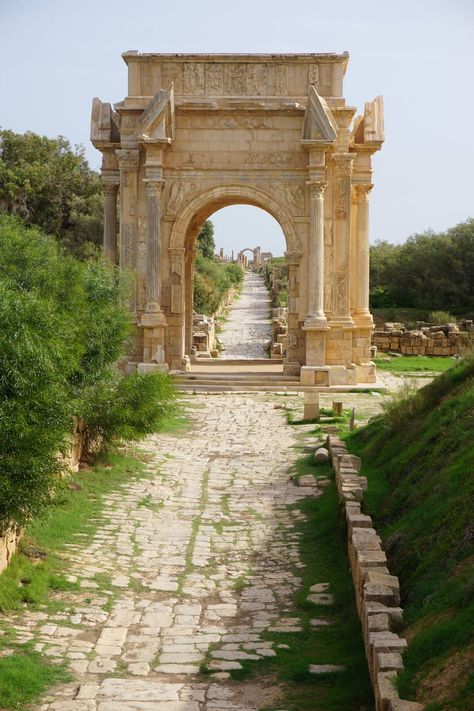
{"x": 337, "y": 409}
{"x": 311, "y": 405}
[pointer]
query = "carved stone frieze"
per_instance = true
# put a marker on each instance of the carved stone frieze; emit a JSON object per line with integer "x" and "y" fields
{"x": 193, "y": 78}
{"x": 214, "y": 79}
{"x": 274, "y": 159}
{"x": 235, "y": 79}
{"x": 256, "y": 79}
{"x": 230, "y": 122}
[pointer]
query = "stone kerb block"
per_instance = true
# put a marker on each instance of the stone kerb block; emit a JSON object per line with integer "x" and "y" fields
{"x": 401, "y": 705}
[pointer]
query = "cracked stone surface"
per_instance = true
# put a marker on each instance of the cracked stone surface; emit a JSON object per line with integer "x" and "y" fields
{"x": 248, "y": 328}
{"x": 201, "y": 558}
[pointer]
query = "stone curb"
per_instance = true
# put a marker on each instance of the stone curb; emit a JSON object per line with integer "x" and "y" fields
{"x": 377, "y": 591}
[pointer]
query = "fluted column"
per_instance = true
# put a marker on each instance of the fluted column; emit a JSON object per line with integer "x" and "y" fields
{"x": 153, "y": 277}
{"x": 110, "y": 220}
{"x": 361, "y": 292}
{"x": 316, "y": 316}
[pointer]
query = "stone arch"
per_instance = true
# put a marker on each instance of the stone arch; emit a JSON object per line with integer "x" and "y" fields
{"x": 206, "y": 203}
{"x": 184, "y": 234}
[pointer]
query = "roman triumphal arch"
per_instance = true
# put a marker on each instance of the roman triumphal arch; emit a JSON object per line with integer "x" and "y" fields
{"x": 196, "y": 133}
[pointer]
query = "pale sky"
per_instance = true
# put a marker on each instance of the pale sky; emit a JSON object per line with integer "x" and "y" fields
{"x": 55, "y": 55}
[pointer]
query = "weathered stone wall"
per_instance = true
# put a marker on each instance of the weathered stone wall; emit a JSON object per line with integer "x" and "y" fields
{"x": 447, "y": 340}
{"x": 377, "y": 592}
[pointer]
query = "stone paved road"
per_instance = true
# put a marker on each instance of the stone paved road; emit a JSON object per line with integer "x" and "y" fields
{"x": 202, "y": 557}
{"x": 248, "y": 328}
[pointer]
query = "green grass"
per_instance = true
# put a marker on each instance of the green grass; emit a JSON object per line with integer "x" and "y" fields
{"x": 39, "y": 568}
{"x": 414, "y": 364}
{"x": 420, "y": 467}
{"x": 324, "y": 555}
{"x": 25, "y": 675}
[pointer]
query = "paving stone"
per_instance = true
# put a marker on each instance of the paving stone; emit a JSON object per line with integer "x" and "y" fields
{"x": 325, "y": 668}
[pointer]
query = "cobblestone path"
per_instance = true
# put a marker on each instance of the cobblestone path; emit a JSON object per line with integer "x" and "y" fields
{"x": 201, "y": 556}
{"x": 248, "y": 328}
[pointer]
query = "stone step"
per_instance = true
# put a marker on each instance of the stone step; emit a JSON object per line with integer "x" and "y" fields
{"x": 234, "y": 362}
{"x": 237, "y": 377}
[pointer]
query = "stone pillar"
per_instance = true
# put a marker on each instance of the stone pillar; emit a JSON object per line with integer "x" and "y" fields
{"x": 316, "y": 324}
{"x": 110, "y": 220}
{"x": 342, "y": 235}
{"x": 362, "y": 316}
{"x": 361, "y": 291}
{"x": 291, "y": 364}
{"x": 153, "y": 320}
{"x": 316, "y": 316}
{"x": 153, "y": 276}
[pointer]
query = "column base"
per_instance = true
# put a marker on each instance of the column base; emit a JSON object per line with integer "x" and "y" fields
{"x": 153, "y": 322}
{"x": 363, "y": 320}
{"x": 291, "y": 367}
{"x": 315, "y": 345}
{"x": 366, "y": 372}
{"x": 329, "y": 375}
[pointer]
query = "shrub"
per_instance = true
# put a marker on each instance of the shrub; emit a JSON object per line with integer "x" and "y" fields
{"x": 127, "y": 409}
{"x": 401, "y": 406}
{"x": 211, "y": 280}
{"x": 62, "y": 327}
{"x": 441, "y": 318}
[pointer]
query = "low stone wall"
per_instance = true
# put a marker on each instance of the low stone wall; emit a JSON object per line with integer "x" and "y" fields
{"x": 377, "y": 592}
{"x": 447, "y": 340}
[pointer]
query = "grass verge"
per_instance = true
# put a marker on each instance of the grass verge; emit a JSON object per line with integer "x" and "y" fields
{"x": 414, "y": 364}
{"x": 419, "y": 460}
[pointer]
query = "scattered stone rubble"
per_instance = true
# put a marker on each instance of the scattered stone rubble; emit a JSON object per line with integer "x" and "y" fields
{"x": 279, "y": 332}
{"x": 426, "y": 339}
{"x": 377, "y": 592}
{"x": 204, "y": 336}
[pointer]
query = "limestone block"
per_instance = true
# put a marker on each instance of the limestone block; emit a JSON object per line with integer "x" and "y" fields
{"x": 400, "y": 705}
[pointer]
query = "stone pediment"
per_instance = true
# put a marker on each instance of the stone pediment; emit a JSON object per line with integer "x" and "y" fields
{"x": 369, "y": 128}
{"x": 319, "y": 123}
{"x": 157, "y": 121}
{"x": 105, "y": 124}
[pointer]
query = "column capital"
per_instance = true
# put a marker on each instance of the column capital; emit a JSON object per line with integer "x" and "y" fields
{"x": 153, "y": 186}
{"x": 293, "y": 258}
{"x": 316, "y": 188}
{"x": 362, "y": 191}
{"x": 110, "y": 184}
{"x": 128, "y": 159}
{"x": 343, "y": 162}
{"x": 176, "y": 252}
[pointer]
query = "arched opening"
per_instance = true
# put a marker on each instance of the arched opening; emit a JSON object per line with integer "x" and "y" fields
{"x": 188, "y": 224}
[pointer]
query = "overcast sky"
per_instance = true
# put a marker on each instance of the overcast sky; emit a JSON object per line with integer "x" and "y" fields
{"x": 55, "y": 55}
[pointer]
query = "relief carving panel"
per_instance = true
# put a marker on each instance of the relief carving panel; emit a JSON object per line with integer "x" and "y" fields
{"x": 193, "y": 78}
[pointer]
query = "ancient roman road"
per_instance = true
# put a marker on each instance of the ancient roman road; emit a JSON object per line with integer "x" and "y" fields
{"x": 188, "y": 567}
{"x": 248, "y": 328}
